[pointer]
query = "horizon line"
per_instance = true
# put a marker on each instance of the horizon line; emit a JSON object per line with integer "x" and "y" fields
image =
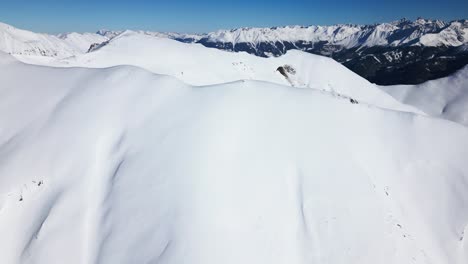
{"x": 236, "y": 28}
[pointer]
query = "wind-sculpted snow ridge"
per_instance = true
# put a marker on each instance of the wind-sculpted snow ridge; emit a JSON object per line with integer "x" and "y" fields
{"x": 198, "y": 65}
{"x": 120, "y": 165}
{"x": 446, "y": 97}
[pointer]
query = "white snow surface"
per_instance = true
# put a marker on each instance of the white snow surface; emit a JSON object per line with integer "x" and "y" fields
{"x": 120, "y": 165}
{"x": 445, "y": 98}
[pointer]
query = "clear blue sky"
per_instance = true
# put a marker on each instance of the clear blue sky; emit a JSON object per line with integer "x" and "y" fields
{"x": 56, "y": 16}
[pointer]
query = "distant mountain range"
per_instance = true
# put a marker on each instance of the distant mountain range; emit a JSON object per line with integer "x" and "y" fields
{"x": 400, "y": 52}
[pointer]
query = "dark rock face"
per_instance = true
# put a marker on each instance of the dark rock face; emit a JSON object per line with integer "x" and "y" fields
{"x": 96, "y": 46}
{"x": 403, "y": 65}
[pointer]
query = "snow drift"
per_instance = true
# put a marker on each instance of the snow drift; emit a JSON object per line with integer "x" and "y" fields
{"x": 119, "y": 165}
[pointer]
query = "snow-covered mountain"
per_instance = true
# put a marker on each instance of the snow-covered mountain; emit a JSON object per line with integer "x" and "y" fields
{"x": 121, "y": 165}
{"x": 277, "y": 40}
{"x": 455, "y": 34}
{"x": 400, "y": 52}
{"x": 21, "y": 42}
{"x": 420, "y": 32}
{"x": 82, "y": 42}
{"x": 446, "y": 97}
{"x": 198, "y": 65}
{"x": 25, "y": 43}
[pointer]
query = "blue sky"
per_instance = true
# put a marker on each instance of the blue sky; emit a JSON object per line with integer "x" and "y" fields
{"x": 56, "y": 16}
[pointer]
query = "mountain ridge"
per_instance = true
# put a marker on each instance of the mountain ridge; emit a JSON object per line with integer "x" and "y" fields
{"x": 327, "y": 33}
{"x": 398, "y": 52}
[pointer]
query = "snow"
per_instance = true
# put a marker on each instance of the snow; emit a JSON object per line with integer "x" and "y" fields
{"x": 444, "y": 98}
{"x": 149, "y": 150}
{"x": 282, "y": 34}
{"x": 18, "y": 41}
{"x": 137, "y": 168}
{"x": 82, "y": 42}
{"x": 398, "y": 33}
{"x": 404, "y": 32}
{"x": 453, "y": 36}
{"x": 25, "y": 43}
{"x": 198, "y": 65}
{"x": 379, "y": 36}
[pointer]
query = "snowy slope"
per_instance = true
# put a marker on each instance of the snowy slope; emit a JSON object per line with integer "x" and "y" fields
{"x": 445, "y": 97}
{"x": 198, "y": 65}
{"x": 120, "y": 165}
{"x": 22, "y": 42}
{"x": 26, "y": 43}
{"x": 454, "y": 35}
